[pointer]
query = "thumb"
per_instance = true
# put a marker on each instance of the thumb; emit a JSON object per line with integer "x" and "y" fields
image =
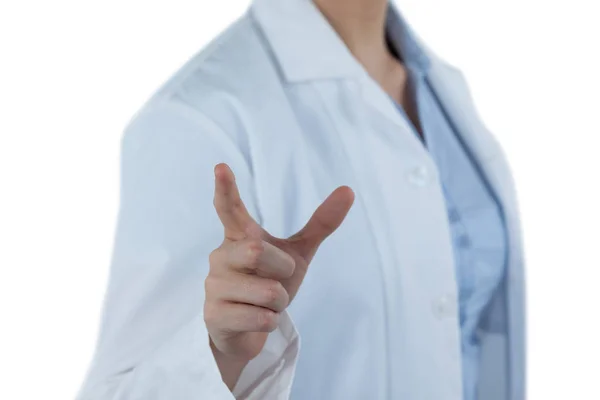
{"x": 324, "y": 221}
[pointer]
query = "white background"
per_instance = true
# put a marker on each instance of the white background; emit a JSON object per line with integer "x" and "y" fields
{"x": 73, "y": 72}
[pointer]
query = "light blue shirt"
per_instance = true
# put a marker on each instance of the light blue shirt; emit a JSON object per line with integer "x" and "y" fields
{"x": 476, "y": 224}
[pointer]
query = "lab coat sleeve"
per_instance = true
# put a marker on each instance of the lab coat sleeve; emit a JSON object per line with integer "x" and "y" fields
{"x": 153, "y": 343}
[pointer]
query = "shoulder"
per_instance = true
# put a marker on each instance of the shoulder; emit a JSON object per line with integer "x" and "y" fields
{"x": 217, "y": 85}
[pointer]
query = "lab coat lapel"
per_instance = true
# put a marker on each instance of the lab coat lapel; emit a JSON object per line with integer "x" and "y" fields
{"x": 380, "y": 102}
{"x": 307, "y": 49}
{"x": 452, "y": 92}
{"x": 305, "y": 46}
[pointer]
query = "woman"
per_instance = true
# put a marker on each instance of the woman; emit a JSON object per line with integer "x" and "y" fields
{"x": 418, "y": 291}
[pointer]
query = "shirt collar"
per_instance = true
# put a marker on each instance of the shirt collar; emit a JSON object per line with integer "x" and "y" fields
{"x": 308, "y": 48}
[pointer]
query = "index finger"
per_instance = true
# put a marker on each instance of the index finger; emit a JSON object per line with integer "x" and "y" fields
{"x": 229, "y": 205}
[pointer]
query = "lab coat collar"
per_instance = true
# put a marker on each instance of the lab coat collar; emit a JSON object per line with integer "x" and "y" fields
{"x": 303, "y": 42}
{"x": 308, "y": 48}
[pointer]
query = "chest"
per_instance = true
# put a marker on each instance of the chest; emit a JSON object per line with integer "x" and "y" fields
{"x": 387, "y": 274}
{"x": 383, "y": 249}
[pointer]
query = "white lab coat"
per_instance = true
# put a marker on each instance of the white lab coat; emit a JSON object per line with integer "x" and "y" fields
{"x": 281, "y": 100}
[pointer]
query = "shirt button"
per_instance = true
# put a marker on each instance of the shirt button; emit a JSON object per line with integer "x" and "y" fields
{"x": 464, "y": 241}
{"x": 419, "y": 176}
{"x": 444, "y": 307}
{"x": 453, "y": 215}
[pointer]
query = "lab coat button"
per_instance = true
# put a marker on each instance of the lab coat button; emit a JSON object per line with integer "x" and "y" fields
{"x": 444, "y": 307}
{"x": 419, "y": 176}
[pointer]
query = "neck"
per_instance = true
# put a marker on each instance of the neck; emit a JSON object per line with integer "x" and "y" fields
{"x": 360, "y": 24}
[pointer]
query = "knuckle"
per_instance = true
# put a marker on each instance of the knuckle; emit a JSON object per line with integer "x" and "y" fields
{"x": 210, "y": 314}
{"x": 210, "y": 283}
{"x": 214, "y": 257}
{"x": 274, "y": 292}
{"x": 254, "y": 250}
{"x": 237, "y": 203}
{"x": 267, "y": 320}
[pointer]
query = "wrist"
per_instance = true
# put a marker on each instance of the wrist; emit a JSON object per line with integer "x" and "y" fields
{"x": 230, "y": 367}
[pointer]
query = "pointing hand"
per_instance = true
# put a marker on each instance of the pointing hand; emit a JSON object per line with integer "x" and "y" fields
{"x": 254, "y": 276}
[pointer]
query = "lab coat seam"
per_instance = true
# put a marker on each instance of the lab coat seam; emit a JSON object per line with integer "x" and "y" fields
{"x": 171, "y": 86}
{"x": 201, "y": 118}
{"x": 372, "y": 235}
{"x": 253, "y": 157}
{"x": 486, "y": 156}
